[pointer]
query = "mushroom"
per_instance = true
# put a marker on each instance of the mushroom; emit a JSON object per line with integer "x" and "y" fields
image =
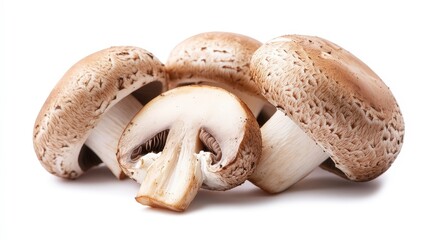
{"x": 186, "y": 138}
{"x": 332, "y": 110}
{"x": 219, "y": 59}
{"x": 81, "y": 121}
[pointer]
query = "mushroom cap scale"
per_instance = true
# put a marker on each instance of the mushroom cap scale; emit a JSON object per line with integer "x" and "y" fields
{"x": 213, "y": 57}
{"x": 336, "y": 99}
{"x": 81, "y": 98}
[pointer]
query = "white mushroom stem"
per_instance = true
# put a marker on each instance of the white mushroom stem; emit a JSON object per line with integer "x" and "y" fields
{"x": 255, "y": 104}
{"x": 288, "y": 154}
{"x": 173, "y": 180}
{"x": 104, "y": 138}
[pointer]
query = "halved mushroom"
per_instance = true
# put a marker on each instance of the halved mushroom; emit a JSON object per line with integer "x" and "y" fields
{"x": 80, "y": 123}
{"x": 189, "y": 137}
{"x": 332, "y": 109}
{"x": 219, "y": 59}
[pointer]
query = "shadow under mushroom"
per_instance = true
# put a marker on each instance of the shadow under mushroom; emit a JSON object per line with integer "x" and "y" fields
{"x": 319, "y": 184}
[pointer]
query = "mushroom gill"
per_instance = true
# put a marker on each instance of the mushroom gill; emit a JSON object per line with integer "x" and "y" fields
{"x": 210, "y": 145}
{"x": 155, "y": 145}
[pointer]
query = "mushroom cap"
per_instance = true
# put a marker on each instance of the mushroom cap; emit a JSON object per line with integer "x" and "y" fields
{"x": 199, "y": 108}
{"x": 336, "y": 99}
{"x": 79, "y": 100}
{"x": 214, "y": 57}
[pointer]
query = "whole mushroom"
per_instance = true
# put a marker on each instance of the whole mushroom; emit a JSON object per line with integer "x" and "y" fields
{"x": 332, "y": 110}
{"x": 189, "y": 137}
{"x": 219, "y": 59}
{"x": 81, "y": 121}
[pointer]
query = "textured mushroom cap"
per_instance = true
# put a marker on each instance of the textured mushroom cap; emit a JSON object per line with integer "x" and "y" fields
{"x": 336, "y": 99}
{"x": 79, "y": 100}
{"x": 217, "y": 57}
{"x": 197, "y": 108}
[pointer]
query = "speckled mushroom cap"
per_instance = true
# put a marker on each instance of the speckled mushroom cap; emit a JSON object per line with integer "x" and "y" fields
{"x": 336, "y": 99}
{"x": 79, "y": 100}
{"x": 216, "y": 57}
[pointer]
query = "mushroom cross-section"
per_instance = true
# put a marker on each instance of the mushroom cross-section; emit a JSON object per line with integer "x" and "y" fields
{"x": 80, "y": 123}
{"x": 332, "y": 109}
{"x": 189, "y": 137}
{"x": 219, "y": 59}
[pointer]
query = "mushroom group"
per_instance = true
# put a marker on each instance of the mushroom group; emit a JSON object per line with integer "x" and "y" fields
{"x": 224, "y": 109}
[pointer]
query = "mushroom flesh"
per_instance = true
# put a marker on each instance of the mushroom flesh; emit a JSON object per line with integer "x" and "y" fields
{"x": 186, "y": 138}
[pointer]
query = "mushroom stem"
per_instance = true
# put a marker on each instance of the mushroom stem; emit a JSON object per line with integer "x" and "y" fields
{"x": 255, "y": 104}
{"x": 104, "y": 138}
{"x": 173, "y": 180}
{"x": 287, "y": 151}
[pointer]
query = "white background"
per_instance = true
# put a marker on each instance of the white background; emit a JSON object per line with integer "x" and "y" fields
{"x": 41, "y": 39}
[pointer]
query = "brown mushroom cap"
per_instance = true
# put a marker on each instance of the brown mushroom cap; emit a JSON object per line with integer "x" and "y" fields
{"x": 79, "y": 100}
{"x": 217, "y": 57}
{"x": 336, "y": 99}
